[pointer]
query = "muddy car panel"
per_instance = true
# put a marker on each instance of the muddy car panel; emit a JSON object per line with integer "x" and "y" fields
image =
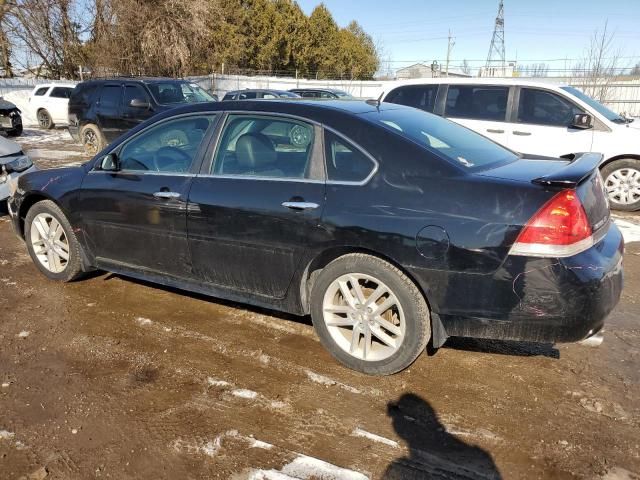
{"x": 450, "y": 228}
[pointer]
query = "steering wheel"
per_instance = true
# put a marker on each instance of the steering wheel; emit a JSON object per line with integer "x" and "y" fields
{"x": 171, "y": 159}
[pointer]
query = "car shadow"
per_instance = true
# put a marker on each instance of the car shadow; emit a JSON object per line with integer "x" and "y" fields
{"x": 304, "y": 320}
{"x": 503, "y": 347}
{"x": 433, "y": 451}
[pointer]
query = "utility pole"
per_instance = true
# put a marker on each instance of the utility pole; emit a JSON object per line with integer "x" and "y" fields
{"x": 450, "y": 44}
{"x": 496, "y": 55}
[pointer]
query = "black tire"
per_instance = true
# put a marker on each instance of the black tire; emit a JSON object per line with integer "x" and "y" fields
{"x": 44, "y": 119}
{"x": 92, "y": 139}
{"x": 413, "y": 304}
{"x": 624, "y": 164}
{"x": 73, "y": 268}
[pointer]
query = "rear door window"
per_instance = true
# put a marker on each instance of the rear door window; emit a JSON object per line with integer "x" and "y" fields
{"x": 477, "y": 102}
{"x": 541, "y": 107}
{"x": 110, "y": 96}
{"x": 41, "y": 91}
{"x": 61, "y": 92}
{"x": 417, "y": 96}
{"x": 259, "y": 146}
{"x": 133, "y": 92}
{"x": 247, "y": 95}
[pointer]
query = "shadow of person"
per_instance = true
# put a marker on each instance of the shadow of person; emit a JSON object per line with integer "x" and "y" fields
{"x": 433, "y": 453}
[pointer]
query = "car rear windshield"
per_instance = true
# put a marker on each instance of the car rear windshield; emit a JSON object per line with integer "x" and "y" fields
{"x": 456, "y": 143}
{"x": 170, "y": 93}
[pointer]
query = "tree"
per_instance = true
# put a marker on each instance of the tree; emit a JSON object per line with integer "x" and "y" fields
{"x": 599, "y": 66}
{"x": 5, "y": 42}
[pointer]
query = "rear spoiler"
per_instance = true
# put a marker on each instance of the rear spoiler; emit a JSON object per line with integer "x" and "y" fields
{"x": 580, "y": 168}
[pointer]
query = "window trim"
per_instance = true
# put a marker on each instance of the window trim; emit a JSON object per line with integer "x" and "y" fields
{"x": 508, "y": 114}
{"x": 198, "y": 158}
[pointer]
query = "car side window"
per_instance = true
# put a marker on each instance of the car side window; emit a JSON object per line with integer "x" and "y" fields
{"x": 61, "y": 92}
{"x": 417, "y": 96}
{"x": 477, "y": 102}
{"x": 41, "y": 91}
{"x": 110, "y": 96}
{"x": 540, "y": 107}
{"x": 269, "y": 95}
{"x": 247, "y": 95}
{"x": 345, "y": 162}
{"x": 168, "y": 147}
{"x": 134, "y": 92}
{"x": 262, "y": 146}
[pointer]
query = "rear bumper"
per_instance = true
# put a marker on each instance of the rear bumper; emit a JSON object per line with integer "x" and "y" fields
{"x": 542, "y": 300}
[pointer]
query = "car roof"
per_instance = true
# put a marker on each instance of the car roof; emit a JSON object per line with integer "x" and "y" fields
{"x": 268, "y": 90}
{"x": 297, "y": 106}
{"x": 524, "y": 82}
{"x": 55, "y": 84}
{"x": 313, "y": 89}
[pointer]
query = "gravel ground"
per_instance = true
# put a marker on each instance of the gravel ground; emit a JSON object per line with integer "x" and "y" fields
{"x": 113, "y": 378}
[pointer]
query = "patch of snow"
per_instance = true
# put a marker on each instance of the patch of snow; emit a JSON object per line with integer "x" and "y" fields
{"x": 321, "y": 379}
{"x": 143, "y": 321}
{"x": 217, "y": 383}
{"x": 260, "y": 444}
{"x": 5, "y": 385}
{"x": 6, "y": 435}
{"x": 278, "y": 405}
{"x": 23, "y": 334}
{"x": 309, "y": 467}
{"x": 358, "y": 432}
{"x": 244, "y": 393}
{"x": 21, "y": 100}
{"x": 630, "y": 230}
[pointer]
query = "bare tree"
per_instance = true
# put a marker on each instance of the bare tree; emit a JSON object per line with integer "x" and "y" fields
{"x": 533, "y": 70}
{"x": 600, "y": 65}
{"x": 5, "y": 43}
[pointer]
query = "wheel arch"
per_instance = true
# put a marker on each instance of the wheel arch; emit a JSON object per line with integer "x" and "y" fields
{"x": 629, "y": 156}
{"x": 315, "y": 266}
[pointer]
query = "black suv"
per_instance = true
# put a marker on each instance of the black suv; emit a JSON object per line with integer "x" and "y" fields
{"x": 102, "y": 110}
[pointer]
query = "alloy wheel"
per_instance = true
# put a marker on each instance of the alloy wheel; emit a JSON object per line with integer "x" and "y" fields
{"x": 623, "y": 186}
{"x": 364, "y": 317}
{"x": 50, "y": 243}
{"x": 90, "y": 140}
{"x": 43, "y": 119}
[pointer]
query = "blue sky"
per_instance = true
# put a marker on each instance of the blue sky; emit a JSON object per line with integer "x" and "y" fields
{"x": 416, "y": 30}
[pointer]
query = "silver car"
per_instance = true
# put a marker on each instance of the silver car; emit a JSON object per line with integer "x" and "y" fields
{"x": 13, "y": 164}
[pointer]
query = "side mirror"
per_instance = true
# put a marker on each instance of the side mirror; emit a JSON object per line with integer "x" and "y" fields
{"x": 110, "y": 163}
{"x": 139, "y": 103}
{"x": 582, "y": 121}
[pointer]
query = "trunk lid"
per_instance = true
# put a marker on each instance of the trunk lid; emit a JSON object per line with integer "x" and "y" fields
{"x": 578, "y": 171}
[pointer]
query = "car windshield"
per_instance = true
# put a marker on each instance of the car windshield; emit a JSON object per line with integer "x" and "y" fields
{"x": 456, "y": 143}
{"x": 169, "y": 93}
{"x": 597, "y": 106}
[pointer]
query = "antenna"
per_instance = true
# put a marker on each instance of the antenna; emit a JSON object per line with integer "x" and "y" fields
{"x": 496, "y": 57}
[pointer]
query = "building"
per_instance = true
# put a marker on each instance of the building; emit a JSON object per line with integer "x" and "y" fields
{"x": 422, "y": 70}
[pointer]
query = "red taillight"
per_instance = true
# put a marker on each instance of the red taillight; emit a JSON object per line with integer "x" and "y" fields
{"x": 559, "y": 228}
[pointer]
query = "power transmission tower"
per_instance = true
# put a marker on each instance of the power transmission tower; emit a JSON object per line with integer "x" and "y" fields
{"x": 496, "y": 57}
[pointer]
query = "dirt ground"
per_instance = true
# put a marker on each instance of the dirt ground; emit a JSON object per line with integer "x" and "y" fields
{"x": 113, "y": 378}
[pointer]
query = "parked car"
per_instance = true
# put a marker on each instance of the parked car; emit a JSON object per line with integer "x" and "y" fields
{"x": 252, "y": 94}
{"x": 102, "y": 110}
{"x": 540, "y": 119}
{"x": 13, "y": 164}
{"x": 50, "y": 103}
{"x": 10, "y": 119}
{"x": 321, "y": 93}
{"x": 392, "y": 227}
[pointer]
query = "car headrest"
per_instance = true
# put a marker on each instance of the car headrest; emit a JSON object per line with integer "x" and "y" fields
{"x": 255, "y": 150}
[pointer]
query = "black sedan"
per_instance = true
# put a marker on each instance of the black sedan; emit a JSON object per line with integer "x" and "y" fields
{"x": 392, "y": 227}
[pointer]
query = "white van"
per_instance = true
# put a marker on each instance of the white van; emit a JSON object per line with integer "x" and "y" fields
{"x": 536, "y": 118}
{"x": 50, "y": 103}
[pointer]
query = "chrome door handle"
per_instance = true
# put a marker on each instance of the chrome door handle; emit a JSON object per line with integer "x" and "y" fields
{"x": 167, "y": 195}
{"x": 493, "y": 130}
{"x": 300, "y": 205}
{"x": 522, "y": 134}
